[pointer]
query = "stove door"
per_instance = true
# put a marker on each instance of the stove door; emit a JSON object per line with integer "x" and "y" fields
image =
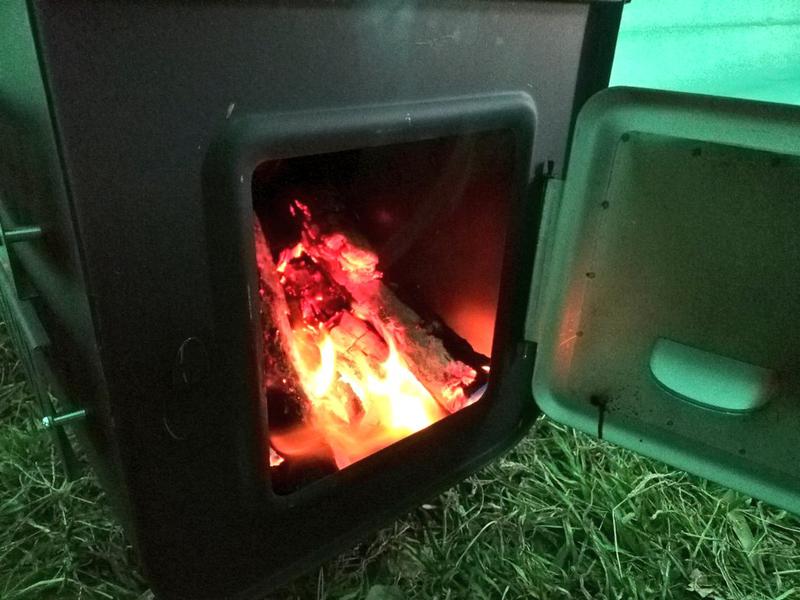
{"x": 667, "y": 295}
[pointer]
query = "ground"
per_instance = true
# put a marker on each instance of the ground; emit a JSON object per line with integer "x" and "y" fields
{"x": 561, "y": 516}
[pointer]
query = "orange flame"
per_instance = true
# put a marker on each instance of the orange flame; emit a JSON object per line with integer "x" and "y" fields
{"x": 393, "y": 403}
{"x": 362, "y": 394}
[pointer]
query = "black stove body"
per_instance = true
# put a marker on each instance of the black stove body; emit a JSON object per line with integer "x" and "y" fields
{"x": 130, "y": 132}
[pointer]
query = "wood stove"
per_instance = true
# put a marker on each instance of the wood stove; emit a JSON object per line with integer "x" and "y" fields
{"x": 292, "y": 262}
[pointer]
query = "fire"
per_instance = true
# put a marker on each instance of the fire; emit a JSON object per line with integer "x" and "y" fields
{"x": 321, "y": 380}
{"x": 363, "y": 407}
{"x": 351, "y": 361}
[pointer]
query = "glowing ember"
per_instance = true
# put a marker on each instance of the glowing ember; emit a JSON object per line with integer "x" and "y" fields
{"x": 275, "y": 459}
{"x": 351, "y": 359}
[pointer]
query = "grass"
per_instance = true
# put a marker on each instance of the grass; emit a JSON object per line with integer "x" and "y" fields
{"x": 562, "y": 516}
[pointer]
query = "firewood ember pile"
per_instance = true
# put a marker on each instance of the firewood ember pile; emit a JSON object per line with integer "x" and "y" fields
{"x": 349, "y": 368}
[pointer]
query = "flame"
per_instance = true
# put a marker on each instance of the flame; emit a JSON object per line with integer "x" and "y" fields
{"x": 288, "y": 254}
{"x": 358, "y": 406}
{"x": 321, "y": 380}
{"x": 362, "y": 393}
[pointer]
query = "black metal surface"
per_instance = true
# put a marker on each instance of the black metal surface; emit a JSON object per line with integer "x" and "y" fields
{"x": 146, "y": 247}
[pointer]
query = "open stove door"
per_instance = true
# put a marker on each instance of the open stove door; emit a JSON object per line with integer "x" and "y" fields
{"x": 666, "y": 296}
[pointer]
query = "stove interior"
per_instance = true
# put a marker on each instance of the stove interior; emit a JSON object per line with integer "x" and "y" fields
{"x": 379, "y": 277}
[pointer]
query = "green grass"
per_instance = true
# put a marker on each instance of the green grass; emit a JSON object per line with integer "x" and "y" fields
{"x": 562, "y": 516}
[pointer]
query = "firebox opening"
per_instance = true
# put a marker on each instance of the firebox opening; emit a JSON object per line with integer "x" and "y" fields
{"x": 379, "y": 277}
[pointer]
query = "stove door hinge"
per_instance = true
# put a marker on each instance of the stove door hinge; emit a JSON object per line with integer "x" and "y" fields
{"x": 543, "y": 259}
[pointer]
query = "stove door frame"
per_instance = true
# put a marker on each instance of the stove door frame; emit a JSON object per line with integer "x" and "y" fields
{"x": 434, "y": 458}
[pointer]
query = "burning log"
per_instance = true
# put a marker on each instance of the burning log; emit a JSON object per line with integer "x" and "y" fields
{"x": 303, "y": 457}
{"x": 357, "y": 367}
{"x": 279, "y": 371}
{"x": 281, "y": 378}
{"x": 351, "y": 262}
